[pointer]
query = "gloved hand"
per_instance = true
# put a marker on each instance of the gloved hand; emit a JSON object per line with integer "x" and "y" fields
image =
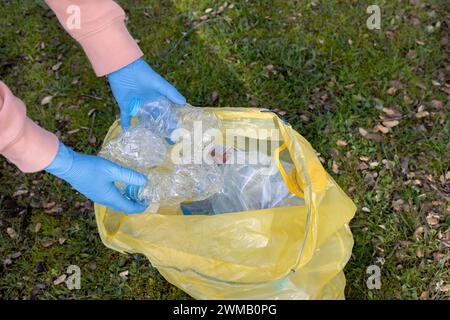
{"x": 139, "y": 82}
{"x": 94, "y": 178}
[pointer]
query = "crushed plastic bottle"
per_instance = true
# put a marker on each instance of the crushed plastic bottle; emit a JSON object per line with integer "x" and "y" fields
{"x": 247, "y": 186}
{"x": 172, "y": 185}
{"x": 137, "y": 148}
{"x": 142, "y": 148}
{"x": 163, "y": 117}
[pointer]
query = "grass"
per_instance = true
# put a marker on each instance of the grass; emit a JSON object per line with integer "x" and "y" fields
{"x": 314, "y": 60}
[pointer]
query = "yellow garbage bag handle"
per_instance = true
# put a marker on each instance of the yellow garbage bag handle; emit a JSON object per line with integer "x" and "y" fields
{"x": 290, "y": 179}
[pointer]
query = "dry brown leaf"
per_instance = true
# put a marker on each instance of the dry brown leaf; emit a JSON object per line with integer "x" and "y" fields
{"x": 437, "y": 104}
{"x": 363, "y": 132}
{"x": 382, "y": 128}
{"x": 11, "y": 233}
{"x": 19, "y": 193}
{"x": 341, "y": 143}
{"x": 48, "y": 205}
{"x": 391, "y": 91}
{"x": 47, "y": 243}
{"x": 418, "y": 233}
{"x": 364, "y": 158}
{"x": 363, "y": 166}
{"x": 412, "y": 54}
{"x": 390, "y": 123}
{"x": 389, "y": 111}
{"x": 57, "y": 66}
{"x": 335, "y": 167}
{"x": 422, "y": 114}
{"x": 46, "y": 100}
{"x": 419, "y": 253}
{"x": 424, "y": 295}
{"x": 408, "y": 100}
{"x": 37, "y": 227}
{"x": 60, "y": 279}
{"x": 445, "y": 288}
{"x": 432, "y": 219}
{"x": 398, "y": 204}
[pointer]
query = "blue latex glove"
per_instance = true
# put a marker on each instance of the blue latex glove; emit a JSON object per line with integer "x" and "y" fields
{"x": 139, "y": 82}
{"x": 94, "y": 178}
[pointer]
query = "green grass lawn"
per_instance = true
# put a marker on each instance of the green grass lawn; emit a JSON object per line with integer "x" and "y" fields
{"x": 335, "y": 79}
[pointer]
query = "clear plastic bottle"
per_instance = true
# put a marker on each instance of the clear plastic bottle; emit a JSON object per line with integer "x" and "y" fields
{"x": 163, "y": 116}
{"x": 247, "y": 186}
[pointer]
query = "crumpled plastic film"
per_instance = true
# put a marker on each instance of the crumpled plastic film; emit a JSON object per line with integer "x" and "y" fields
{"x": 164, "y": 117}
{"x": 252, "y": 181}
{"x": 178, "y": 183}
{"x": 137, "y": 148}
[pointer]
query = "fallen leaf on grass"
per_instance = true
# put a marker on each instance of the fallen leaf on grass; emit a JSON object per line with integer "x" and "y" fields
{"x": 437, "y": 104}
{"x": 422, "y": 114}
{"x": 341, "y": 143}
{"x": 418, "y": 233}
{"x": 60, "y": 279}
{"x": 382, "y": 128}
{"x": 47, "y": 243}
{"x": 363, "y": 166}
{"x": 37, "y": 227}
{"x": 11, "y": 233}
{"x": 57, "y": 66}
{"x": 445, "y": 288}
{"x": 432, "y": 219}
{"x": 391, "y": 114}
{"x": 364, "y": 158}
{"x": 412, "y": 54}
{"x": 398, "y": 204}
{"x": 363, "y": 132}
{"x": 424, "y": 295}
{"x": 124, "y": 274}
{"x": 335, "y": 167}
{"x": 19, "y": 193}
{"x": 48, "y": 205}
{"x": 390, "y": 123}
{"x": 419, "y": 253}
{"x": 408, "y": 100}
{"x": 46, "y": 100}
{"x": 391, "y": 91}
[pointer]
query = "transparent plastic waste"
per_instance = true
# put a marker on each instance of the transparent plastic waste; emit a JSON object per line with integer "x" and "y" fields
{"x": 163, "y": 117}
{"x": 143, "y": 147}
{"x": 252, "y": 181}
{"x": 136, "y": 148}
{"x": 171, "y": 185}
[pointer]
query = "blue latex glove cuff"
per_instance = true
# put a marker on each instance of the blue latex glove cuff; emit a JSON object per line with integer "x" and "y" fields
{"x": 95, "y": 178}
{"x": 63, "y": 161}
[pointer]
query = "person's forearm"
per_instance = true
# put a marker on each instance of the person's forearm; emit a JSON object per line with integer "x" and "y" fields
{"x": 30, "y": 147}
{"x": 99, "y": 27}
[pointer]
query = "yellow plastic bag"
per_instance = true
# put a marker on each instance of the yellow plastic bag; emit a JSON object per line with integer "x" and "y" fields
{"x": 280, "y": 253}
